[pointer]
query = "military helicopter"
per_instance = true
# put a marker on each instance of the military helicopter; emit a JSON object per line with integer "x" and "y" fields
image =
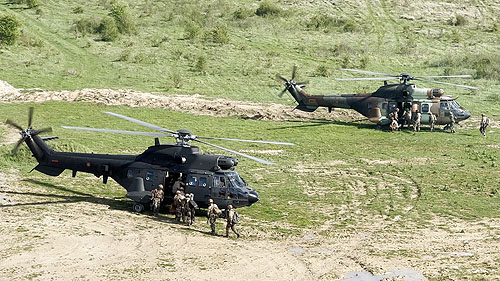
{"x": 205, "y": 175}
{"x": 378, "y": 105}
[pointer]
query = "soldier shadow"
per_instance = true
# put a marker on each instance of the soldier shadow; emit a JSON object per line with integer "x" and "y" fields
{"x": 164, "y": 217}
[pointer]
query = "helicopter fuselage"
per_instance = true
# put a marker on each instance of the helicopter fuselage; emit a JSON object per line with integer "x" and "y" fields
{"x": 205, "y": 175}
{"x": 378, "y": 105}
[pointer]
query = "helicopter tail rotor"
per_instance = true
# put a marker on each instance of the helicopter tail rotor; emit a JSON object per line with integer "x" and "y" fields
{"x": 26, "y": 133}
{"x": 290, "y": 83}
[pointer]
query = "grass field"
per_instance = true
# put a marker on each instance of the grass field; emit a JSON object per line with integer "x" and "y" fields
{"x": 174, "y": 48}
{"x": 341, "y": 173}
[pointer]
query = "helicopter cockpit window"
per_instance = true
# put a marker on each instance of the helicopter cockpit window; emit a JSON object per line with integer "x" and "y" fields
{"x": 235, "y": 180}
{"x": 454, "y": 104}
{"x": 202, "y": 182}
{"x": 425, "y": 107}
{"x": 192, "y": 181}
{"x": 149, "y": 176}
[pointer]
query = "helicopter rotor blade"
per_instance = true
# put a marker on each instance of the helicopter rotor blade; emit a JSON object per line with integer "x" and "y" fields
{"x": 18, "y": 144}
{"x": 447, "y": 76}
{"x": 237, "y": 153}
{"x": 137, "y": 133}
{"x": 279, "y": 77}
{"x": 243, "y": 140}
{"x": 13, "y": 124}
{"x": 368, "y": 72}
{"x": 446, "y": 83}
{"x": 44, "y": 130}
{"x": 30, "y": 116}
{"x": 294, "y": 71}
{"x": 365, "y": 78}
{"x": 282, "y": 92}
{"x": 302, "y": 83}
{"x": 151, "y": 126}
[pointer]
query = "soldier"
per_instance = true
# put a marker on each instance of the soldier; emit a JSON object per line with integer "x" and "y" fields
{"x": 178, "y": 198}
{"x": 407, "y": 117}
{"x": 394, "y": 120}
{"x": 485, "y": 121}
{"x": 178, "y": 185}
{"x": 186, "y": 210}
{"x": 416, "y": 122}
{"x": 453, "y": 119}
{"x": 192, "y": 206}
{"x": 213, "y": 213}
{"x": 156, "y": 198}
{"x": 432, "y": 120}
{"x": 230, "y": 221}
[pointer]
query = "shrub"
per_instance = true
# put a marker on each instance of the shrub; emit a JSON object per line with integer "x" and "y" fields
{"x": 86, "y": 25}
{"x": 201, "y": 64}
{"x": 121, "y": 14}
{"x": 218, "y": 34}
{"x": 322, "y": 70}
{"x": 242, "y": 14}
{"x": 176, "y": 79}
{"x": 29, "y": 3}
{"x": 267, "y": 8}
{"x": 321, "y": 21}
{"x": 108, "y": 29}
{"x": 78, "y": 10}
{"x": 192, "y": 30}
{"x": 8, "y": 30}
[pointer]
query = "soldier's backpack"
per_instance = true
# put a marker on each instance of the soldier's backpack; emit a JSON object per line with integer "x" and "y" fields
{"x": 236, "y": 218}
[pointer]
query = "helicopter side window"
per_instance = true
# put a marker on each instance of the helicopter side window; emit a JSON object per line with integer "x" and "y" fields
{"x": 425, "y": 108}
{"x": 202, "y": 182}
{"x": 130, "y": 173}
{"x": 444, "y": 105}
{"x": 149, "y": 176}
{"x": 192, "y": 181}
{"x": 384, "y": 106}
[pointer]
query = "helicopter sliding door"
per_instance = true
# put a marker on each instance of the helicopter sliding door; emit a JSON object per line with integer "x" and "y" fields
{"x": 198, "y": 185}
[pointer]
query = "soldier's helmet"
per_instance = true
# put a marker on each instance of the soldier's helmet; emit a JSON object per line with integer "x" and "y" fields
{"x": 229, "y": 207}
{"x": 482, "y": 114}
{"x": 178, "y": 192}
{"x": 160, "y": 186}
{"x": 397, "y": 109}
{"x": 210, "y": 201}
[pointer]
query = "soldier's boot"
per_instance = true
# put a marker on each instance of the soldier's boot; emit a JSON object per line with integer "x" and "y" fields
{"x": 212, "y": 226}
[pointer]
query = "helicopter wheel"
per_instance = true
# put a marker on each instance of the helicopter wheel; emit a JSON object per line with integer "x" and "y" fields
{"x": 378, "y": 127}
{"x": 138, "y": 207}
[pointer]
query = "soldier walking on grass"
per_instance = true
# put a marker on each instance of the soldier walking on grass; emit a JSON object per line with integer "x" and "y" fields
{"x": 213, "y": 213}
{"x": 453, "y": 119}
{"x": 178, "y": 198}
{"x": 432, "y": 120}
{"x": 416, "y": 122}
{"x": 485, "y": 121}
{"x": 156, "y": 198}
{"x": 232, "y": 219}
{"x": 186, "y": 209}
{"x": 192, "y": 206}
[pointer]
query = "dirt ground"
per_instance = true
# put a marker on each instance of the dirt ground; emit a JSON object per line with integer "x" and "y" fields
{"x": 49, "y": 236}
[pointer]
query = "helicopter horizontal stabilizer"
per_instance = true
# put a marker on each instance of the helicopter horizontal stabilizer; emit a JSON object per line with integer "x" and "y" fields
{"x": 51, "y": 171}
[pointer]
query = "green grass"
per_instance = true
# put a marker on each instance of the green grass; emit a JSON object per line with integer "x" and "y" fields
{"x": 161, "y": 57}
{"x": 334, "y": 166}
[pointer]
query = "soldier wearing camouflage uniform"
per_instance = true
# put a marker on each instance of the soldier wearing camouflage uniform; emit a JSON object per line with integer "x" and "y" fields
{"x": 213, "y": 213}
{"x": 393, "y": 116}
{"x": 192, "y": 206}
{"x": 230, "y": 223}
{"x": 416, "y": 122}
{"x": 432, "y": 121}
{"x": 178, "y": 198}
{"x": 156, "y": 198}
{"x": 186, "y": 210}
{"x": 407, "y": 116}
{"x": 485, "y": 121}
{"x": 453, "y": 119}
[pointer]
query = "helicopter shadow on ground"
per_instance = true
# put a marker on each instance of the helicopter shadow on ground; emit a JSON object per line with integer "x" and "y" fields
{"x": 182, "y": 226}
{"x": 77, "y": 196}
{"x": 323, "y": 122}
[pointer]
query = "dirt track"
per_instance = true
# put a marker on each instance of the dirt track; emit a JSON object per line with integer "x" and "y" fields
{"x": 48, "y": 236}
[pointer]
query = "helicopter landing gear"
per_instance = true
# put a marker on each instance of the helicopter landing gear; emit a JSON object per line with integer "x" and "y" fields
{"x": 378, "y": 127}
{"x": 138, "y": 207}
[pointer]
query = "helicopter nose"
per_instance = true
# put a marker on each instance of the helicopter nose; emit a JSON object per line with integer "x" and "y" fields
{"x": 253, "y": 197}
{"x": 466, "y": 115}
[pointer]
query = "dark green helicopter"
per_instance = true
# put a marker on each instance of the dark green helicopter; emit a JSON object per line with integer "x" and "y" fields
{"x": 205, "y": 175}
{"x": 378, "y": 105}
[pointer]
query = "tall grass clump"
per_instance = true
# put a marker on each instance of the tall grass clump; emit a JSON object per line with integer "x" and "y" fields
{"x": 219, "y": 34}
{"x": 124, "y": 21}
{"x": 29, "y": 3}
{"x": 108, "y": 29}
{"x": 268, "y": 8}
{"x": 242, "y": 13}
{"x": 8, "y": 29}
{"x": 328, "y": 23}
{"x": 192, "y": 30}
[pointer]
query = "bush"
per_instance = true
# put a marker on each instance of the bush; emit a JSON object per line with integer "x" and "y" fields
{"x": 218, "y": 35}
{"x": 86, "y": 25}
{"x": 108, "y": 29}
{"x": 8, "y": 30}
{"x": 322, "y": 70}
{"x": 327, "y": 22}
{"x": 242, "y": 14}
{"x": 192, "y": 30}
{"x": 201, "y": 64}
{"x": 29, "y": 3}
{"x": 268, "y": 8}
{"x": 121, "y": 14}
